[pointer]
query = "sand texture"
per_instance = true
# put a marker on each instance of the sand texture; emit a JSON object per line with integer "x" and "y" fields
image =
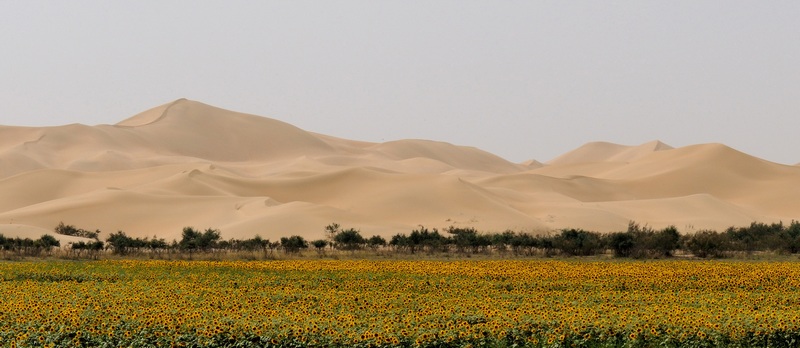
{"x": 191, "y": 164}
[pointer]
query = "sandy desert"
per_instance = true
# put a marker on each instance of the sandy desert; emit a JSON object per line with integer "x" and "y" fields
{"x": 190, "y": 164}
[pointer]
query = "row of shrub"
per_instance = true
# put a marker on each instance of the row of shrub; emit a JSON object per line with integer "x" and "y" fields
{"x": 27, "y": 246}
{"x": 636, "y": 242}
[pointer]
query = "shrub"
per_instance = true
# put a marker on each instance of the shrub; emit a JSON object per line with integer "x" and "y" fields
{"x": 69, "y": 230}
{"x": 349, "y": 239}
{"x": 706, "y": 244}
{"x": 577, "y": 242}
{"x": 320, "y": 244}
{"x": 293, "y": 244}
{"x": 376, "y": 242}
{"x": 524, "y": 243}
{"x": 792, "y": 237}
{"x": 622, "y": 243}
{"x": 400, "y": 242}
{"x": 425, "y": 239}
{"x": 664, "y": 242}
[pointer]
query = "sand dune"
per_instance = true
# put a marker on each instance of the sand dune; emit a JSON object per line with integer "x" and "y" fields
{"x": 190, "y": 164}
{"x": 608, "y": 152}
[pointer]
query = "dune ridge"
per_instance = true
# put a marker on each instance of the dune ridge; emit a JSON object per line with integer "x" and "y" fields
{"x": 186, "y": 163}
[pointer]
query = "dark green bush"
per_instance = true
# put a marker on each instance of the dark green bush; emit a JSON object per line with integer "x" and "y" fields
{"x": 577, "y": 242}
{"x": 293, "y": 244}
{"x": 706, "y": 244}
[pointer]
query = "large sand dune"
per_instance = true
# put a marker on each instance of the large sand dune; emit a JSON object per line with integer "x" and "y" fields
{"x": 191, "y": 164}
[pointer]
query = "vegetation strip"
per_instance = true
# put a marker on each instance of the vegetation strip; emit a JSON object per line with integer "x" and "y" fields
{"x": 636, "y": 242}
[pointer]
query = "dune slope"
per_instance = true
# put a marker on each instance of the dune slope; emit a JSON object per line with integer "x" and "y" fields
{"x": 190, "y": 164}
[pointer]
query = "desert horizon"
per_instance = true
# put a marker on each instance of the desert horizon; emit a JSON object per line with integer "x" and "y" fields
{"x": 190, "y": 164}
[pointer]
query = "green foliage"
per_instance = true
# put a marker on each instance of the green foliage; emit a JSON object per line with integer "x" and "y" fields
{"x": 577, "y": 242}
{"x": 293, "y": 244}
{"x": 664, "y": 242}
{"x": 69, "y": 230}
{"x": 375, "y": 242}
{"x": 636, "y": 242}
{"x": 19, "y": 247}
{"x": 622, "y": 243}
{"x": 48, "y": 242}
{"x": 399, "y": 242}
{"x": 319, "y": 244}
{"x": 121, "y": 244}
{"x": 791, "y": 237}
{"x": 706, "y": 244}
{"x": 87, "y": 249}
{"x": 349, "y": 239}
{"x": 194, "y": 240}
{"x": 427, "y": 240}
{"x": 644, "y": 242}
{"x": 468, "y": 239}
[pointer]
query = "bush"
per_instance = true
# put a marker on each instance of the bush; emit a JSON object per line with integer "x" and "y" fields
{"x": 47, "y": 242}
{"x": 320, "y": 244}
{"x": 28, "y": 247}
{"x": 706, "y": 244}
{"x": 524, "y": 243}
{"x": 400, "y": 242}
{"x": 791, "y": 238}
{"x": 293, "y": 244}
{"x": 466, "y": 239}
{"x": 644, "y": 242}
{"x": 349, "y": 239}
{"x": 577, "y": 242}
{"x": 193, "y": 240}
{"x": 622, "y": 243}
{"x": 424, "y": 239}
{"x": 376, "y": 242}
{"x": 664, "y": 242}
{"x": 69, "y": 230}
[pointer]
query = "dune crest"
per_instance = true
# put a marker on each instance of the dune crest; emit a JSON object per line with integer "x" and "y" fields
{"x": 148, "y": 116}
{"x": 608, "y": 152}
{"x": 186, "y": 163}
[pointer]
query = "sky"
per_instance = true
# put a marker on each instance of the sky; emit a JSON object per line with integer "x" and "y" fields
{"x": 521, "y": 79}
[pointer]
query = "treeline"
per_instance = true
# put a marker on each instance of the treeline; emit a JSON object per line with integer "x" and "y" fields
{"x": 192, "y": 242}
{"x": 636, "y": 242}
{"x": 22, "y": 247}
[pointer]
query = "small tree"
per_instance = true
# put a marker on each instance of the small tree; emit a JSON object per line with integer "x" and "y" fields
{"x": 524, "y": 243}
{"x": 425, "y": 239}
{"x": 120, "y": 243}
{"x": 501, "y": 241}
{"x": 293, "y": 244}
{"x": 622, "y": 243}
{"x": 320, "y": 245}
{"x": 792, "y": 237}
{"x": 376, "y": 242}
{"x": 157, "y": 246}
{"x": 579, "y": 242}
{"x": 331, "y": 231}
{"x": 706, "y": 244}
{"x": 69, "y": 230}
{"x": 349, "y": 239}
{"x": 664, "y": 242}
{"x": 48, "y": 242}
{"x": 209, "y": 239}
{"x": 464, "y": 238}
{"x": 400, "y": 242}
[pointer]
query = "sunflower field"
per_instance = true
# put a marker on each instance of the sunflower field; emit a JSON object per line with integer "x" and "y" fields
{"x": 359, "y": 303}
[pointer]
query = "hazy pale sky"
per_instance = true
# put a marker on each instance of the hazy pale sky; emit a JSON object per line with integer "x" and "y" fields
{"x": 521, "y": 79}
